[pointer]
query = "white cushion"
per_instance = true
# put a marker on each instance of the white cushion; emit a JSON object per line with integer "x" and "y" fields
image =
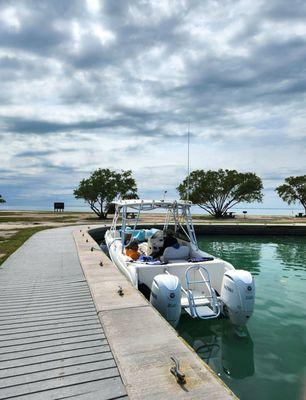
{"x": 171, "y": 253}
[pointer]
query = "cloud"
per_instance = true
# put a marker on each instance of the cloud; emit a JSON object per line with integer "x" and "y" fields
{"x": 35, "y": 153}
{"x": 37, "y": 126}
{"x": 114, "y": 83}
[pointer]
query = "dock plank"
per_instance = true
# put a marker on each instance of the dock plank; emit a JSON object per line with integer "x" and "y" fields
{"x": 56, "y": 356}
{"x": 102, "y": 389}
{"x": 40, "y": 333}
{"x": 58, "y": 372}
{"x": 54, "y": 349}
{"x": 46, "y": 365}
{"x": 43, "y": 385}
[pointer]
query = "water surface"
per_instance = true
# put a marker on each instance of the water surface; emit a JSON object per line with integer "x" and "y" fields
{"x": 270, "y": 362}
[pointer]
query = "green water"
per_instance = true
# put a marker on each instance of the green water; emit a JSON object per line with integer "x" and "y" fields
{"x": 270, "y": 362}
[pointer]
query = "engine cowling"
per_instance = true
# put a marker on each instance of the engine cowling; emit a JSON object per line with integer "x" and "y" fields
{"x": 166, "y": 297}
{"x": 238, "y": 295}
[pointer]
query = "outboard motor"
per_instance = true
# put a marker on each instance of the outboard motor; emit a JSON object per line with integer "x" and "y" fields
{"x": 166, "y": 297}
{"x": 238, "y": 295}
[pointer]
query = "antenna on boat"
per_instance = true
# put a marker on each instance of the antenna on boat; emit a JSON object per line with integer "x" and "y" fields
{"x": 165, "y": 192}
{"x": 188, "y": 160}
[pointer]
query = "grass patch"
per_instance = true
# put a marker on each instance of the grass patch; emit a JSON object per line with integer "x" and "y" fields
{"x": 12, "y": 243}
{"x": 9, "y": 212}
{"x": 96, "y": 219}
{"x": 35, "y": 219}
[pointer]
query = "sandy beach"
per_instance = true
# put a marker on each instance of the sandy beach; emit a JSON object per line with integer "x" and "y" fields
{"x": 12, "y": 221}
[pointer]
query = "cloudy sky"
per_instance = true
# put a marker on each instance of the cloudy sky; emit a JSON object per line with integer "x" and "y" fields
{"x": 89, "y": 84}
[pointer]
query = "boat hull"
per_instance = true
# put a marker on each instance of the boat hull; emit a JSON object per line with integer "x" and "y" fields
{"x": 144, "y": 275}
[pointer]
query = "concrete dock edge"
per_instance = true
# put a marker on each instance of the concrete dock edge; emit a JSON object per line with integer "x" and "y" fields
{"x": 141, "y": 340}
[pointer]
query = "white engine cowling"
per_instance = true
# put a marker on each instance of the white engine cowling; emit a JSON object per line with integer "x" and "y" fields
{"x": 166, "y": 297}
{"x": 238, "y": 295}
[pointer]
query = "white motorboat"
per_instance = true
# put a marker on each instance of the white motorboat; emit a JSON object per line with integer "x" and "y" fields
{"x": 171, "y": 269}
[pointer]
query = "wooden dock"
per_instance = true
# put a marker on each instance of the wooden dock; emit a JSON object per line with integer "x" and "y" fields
{"x": 52, "y": 345}
{"x": 65, "y": 332}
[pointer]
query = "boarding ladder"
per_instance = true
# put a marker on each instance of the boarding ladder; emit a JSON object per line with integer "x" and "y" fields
{"x": 200, "y": 305}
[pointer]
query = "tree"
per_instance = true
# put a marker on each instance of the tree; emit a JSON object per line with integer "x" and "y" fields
{"x": 103, "y": 186}
{"x": 293, "y": 190}
{"x": 2, "y": 199}
{"x": 218, "y": 191}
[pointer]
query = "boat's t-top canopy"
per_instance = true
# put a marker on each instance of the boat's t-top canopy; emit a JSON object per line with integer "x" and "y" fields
{"x": 152, "y": 204}
{"x": 177, "y": 213}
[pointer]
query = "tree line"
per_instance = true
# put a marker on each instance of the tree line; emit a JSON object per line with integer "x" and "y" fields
{"x": 216, "y": 192}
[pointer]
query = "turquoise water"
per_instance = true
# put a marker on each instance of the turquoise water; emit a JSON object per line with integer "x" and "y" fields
{"x": 270, "y": 362}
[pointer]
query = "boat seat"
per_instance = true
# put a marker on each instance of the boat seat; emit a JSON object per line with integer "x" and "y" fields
{"x": 173, "y": 254}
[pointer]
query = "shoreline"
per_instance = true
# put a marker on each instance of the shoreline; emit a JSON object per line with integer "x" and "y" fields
{"x": 18, "y": 220}
{"x": 17, "y": 226}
